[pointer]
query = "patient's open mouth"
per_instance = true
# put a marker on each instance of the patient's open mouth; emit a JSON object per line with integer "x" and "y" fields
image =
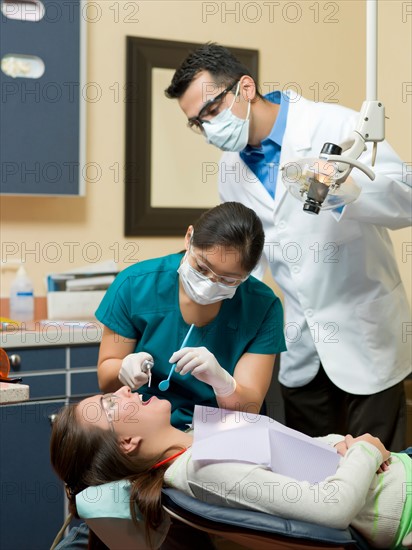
{"x": 148, "y": 401}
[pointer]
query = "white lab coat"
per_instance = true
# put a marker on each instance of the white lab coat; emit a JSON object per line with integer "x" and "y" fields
{"x": 344, "y": 300}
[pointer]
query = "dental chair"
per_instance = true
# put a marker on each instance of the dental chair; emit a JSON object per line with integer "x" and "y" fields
{"x": 106, "y": 511}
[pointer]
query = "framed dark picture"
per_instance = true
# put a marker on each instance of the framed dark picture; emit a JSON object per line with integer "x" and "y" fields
{"x": 165, "y": 162}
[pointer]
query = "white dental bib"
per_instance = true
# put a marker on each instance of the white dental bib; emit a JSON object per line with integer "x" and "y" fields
{"x": 223, "y": 435}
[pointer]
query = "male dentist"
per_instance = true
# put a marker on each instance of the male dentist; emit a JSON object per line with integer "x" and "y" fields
{"x": 346, "y": 309}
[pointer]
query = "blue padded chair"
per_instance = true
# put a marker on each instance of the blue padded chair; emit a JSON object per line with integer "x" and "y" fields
{"x": 256, "y": 529}
{"x": 106, "y": 510}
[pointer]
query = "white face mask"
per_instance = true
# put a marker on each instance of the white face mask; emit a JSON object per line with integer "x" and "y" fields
{"x": 226, "y": 130}
{"x": 200, "y": 289}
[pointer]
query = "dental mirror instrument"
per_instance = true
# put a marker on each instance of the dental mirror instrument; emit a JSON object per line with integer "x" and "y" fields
{"x": 164, "y": 384}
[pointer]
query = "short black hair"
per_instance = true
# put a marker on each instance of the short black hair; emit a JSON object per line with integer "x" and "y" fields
{"x": 220, "y": 62}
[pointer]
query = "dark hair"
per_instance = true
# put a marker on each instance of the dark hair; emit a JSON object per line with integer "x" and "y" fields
{"x": 233, "y": 225}
{"x": 88, "y": 456}
{"x": 224, "y": 67}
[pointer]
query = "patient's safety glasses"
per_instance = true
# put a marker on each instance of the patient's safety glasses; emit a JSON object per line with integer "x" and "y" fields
{"x": 110, "y": 405}
{"x": 210, "y": 274}
{"x": 209, "y": 109}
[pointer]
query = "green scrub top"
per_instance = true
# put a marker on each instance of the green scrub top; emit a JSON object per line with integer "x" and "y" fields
{"x": 143, "y": 304}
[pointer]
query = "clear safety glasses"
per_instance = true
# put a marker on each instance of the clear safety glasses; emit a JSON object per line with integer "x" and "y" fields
{"x": 109, "y": 403}
{"x": 209, "y": 109}
{"x": 210, "y": 274}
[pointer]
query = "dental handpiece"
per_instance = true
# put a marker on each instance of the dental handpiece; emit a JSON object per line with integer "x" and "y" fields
{"x": 147, "y": 366}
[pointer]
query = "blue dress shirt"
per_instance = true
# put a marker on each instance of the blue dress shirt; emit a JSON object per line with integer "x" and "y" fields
{"x": 264, "y": 160}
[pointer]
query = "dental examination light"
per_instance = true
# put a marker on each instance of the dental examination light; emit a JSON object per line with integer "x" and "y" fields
{"x": 325, "y": 182}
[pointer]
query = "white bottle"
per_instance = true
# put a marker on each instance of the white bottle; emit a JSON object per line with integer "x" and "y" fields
{"x": 21, "y": 297}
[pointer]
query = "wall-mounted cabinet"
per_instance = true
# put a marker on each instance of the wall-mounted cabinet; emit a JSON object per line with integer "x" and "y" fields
{"x": 42, "y": 88}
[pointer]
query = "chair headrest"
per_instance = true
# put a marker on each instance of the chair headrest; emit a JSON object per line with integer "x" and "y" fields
{"x": 111, "y": 500}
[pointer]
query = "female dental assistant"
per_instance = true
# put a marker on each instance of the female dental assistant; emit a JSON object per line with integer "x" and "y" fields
{"x": 229, "y": 356}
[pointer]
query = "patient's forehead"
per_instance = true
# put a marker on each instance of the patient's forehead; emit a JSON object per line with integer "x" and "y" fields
{"x": 89, "y": 412}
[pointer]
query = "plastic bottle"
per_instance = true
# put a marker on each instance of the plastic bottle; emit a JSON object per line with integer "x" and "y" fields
{"x": 21, "y": 297}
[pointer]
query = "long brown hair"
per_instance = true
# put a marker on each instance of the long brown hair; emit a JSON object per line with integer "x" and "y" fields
{"x": 88, "y": 456}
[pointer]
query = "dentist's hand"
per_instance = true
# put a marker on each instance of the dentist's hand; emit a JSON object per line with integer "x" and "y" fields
{"x": 203, "y": 365}
{"x": 131, "y": 373}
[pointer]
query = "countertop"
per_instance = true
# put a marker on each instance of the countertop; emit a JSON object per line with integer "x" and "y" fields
{"x": 13, "y": 393}
{"x": 50, "y": 333}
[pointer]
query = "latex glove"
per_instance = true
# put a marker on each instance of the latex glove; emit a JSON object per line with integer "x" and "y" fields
{"x": 203, "y": 365}
{"x": 131, "y": 373}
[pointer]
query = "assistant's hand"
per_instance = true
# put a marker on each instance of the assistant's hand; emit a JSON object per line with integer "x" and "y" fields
{"x": 131, "y": 373}
{"x": 203, "y": 365}
{"x": 376, "y": 442}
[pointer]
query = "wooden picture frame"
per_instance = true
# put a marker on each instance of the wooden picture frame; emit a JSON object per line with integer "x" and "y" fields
{"x": 143, "y": 55}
